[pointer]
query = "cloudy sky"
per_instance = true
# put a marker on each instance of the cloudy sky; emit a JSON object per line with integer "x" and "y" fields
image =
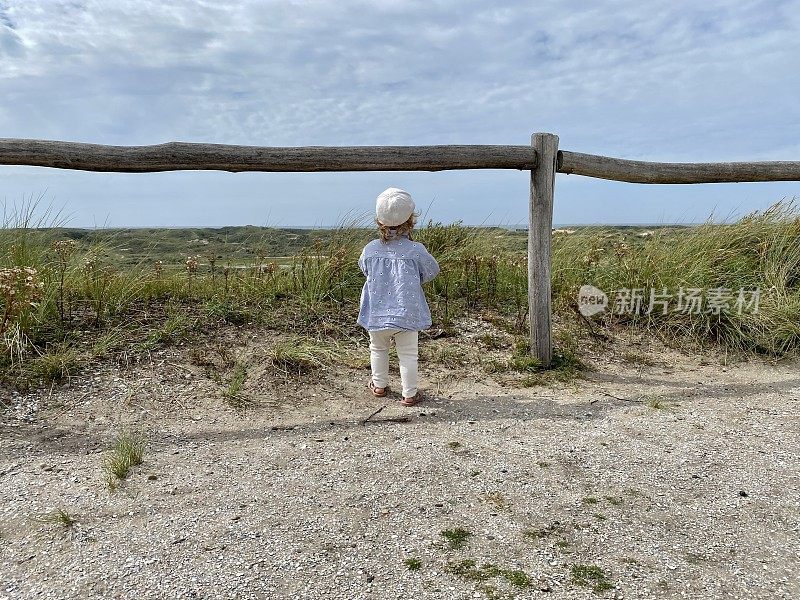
{"x": 651, "y": 80}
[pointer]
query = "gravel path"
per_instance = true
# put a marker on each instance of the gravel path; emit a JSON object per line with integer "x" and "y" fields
{"x": 653, "y": 482}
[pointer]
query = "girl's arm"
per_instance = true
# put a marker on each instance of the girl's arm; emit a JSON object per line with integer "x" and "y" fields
{"x": 362, "y": 263}
{"x": 428, "y": 267}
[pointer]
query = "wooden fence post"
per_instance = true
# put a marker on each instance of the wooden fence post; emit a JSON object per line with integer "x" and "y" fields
{"x": 540, "y": 235}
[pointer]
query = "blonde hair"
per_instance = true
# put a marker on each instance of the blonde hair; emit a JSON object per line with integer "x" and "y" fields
{"x": 388, "y": 233}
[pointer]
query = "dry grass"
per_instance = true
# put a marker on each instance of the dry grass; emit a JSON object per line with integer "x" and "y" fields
{"x": 300, "y": 356}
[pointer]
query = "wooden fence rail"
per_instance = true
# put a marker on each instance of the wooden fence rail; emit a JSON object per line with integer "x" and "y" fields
{"x": 637, "y": 171}
{"x": 542, "y": 159}
{"x": 181, "y": 156}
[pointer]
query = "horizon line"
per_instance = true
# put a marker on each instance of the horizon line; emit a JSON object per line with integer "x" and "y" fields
{"x": 482, "y": 225}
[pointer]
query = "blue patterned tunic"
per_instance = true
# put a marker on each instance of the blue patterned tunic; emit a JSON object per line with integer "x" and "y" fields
{"x": 392, "y": 297}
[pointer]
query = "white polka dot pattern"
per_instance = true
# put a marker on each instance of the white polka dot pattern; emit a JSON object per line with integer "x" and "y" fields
{"x": 392, "y": 296}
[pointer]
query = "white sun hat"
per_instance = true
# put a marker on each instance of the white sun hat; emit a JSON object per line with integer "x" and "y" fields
{"x": 394, "y": 206}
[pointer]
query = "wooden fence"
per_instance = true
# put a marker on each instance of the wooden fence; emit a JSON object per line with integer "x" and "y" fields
{"x": 542, "y": 158}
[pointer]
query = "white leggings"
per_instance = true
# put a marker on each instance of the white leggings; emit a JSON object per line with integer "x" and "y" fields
{"x": 406, "y": 344}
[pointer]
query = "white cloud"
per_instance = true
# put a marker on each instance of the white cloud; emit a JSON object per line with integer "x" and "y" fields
{"x": 655, "y": 80}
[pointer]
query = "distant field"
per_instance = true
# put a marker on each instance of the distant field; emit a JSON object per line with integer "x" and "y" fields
{"x": 241, "y": 245}
{"x": 246, "y": 245}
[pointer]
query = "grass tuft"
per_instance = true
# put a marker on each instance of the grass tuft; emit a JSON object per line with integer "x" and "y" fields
{"x": 591, "y": 576}
{"x": 456, "y": 538}
{"x": 233, "y": 393}
{"x": 413, "y": 564}
{"x": 127, "y": 452}
{"x": 565, "y": 366}
{"x": 55, "y": 364}
{"x": 300, "y": 356}
{"x": 59, "y": 517}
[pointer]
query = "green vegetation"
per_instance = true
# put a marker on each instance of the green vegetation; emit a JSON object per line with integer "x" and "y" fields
{"x": 72, "y": 296}
{"x": 467, "y": 569}
{"x": 456, "y": 538}
{"x": 413, "y": 564}
{"x": 233, "y": 393}
{"x": 127, "y": 452}
{"x": 59, "y": 517}
{"x": 591, "y": 576}
{"x": 54, "y": 364}
{"x": 759, "y": 251}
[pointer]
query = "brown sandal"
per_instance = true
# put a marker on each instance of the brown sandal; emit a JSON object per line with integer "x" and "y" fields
{"x": 375, "y": 391}
{"x": 413, "y": 400}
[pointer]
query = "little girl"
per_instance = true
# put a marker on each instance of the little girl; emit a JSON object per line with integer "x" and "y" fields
{"x": 392, "y": 302}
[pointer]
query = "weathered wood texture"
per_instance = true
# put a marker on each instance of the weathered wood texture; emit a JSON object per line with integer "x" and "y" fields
{"x": 637, "y": 171}
{"x": 540, "y": 227}
{"x": 177, "y": 156}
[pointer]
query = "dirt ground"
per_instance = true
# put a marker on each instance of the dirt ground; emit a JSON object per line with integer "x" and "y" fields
{"x": 670, "y": 479}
